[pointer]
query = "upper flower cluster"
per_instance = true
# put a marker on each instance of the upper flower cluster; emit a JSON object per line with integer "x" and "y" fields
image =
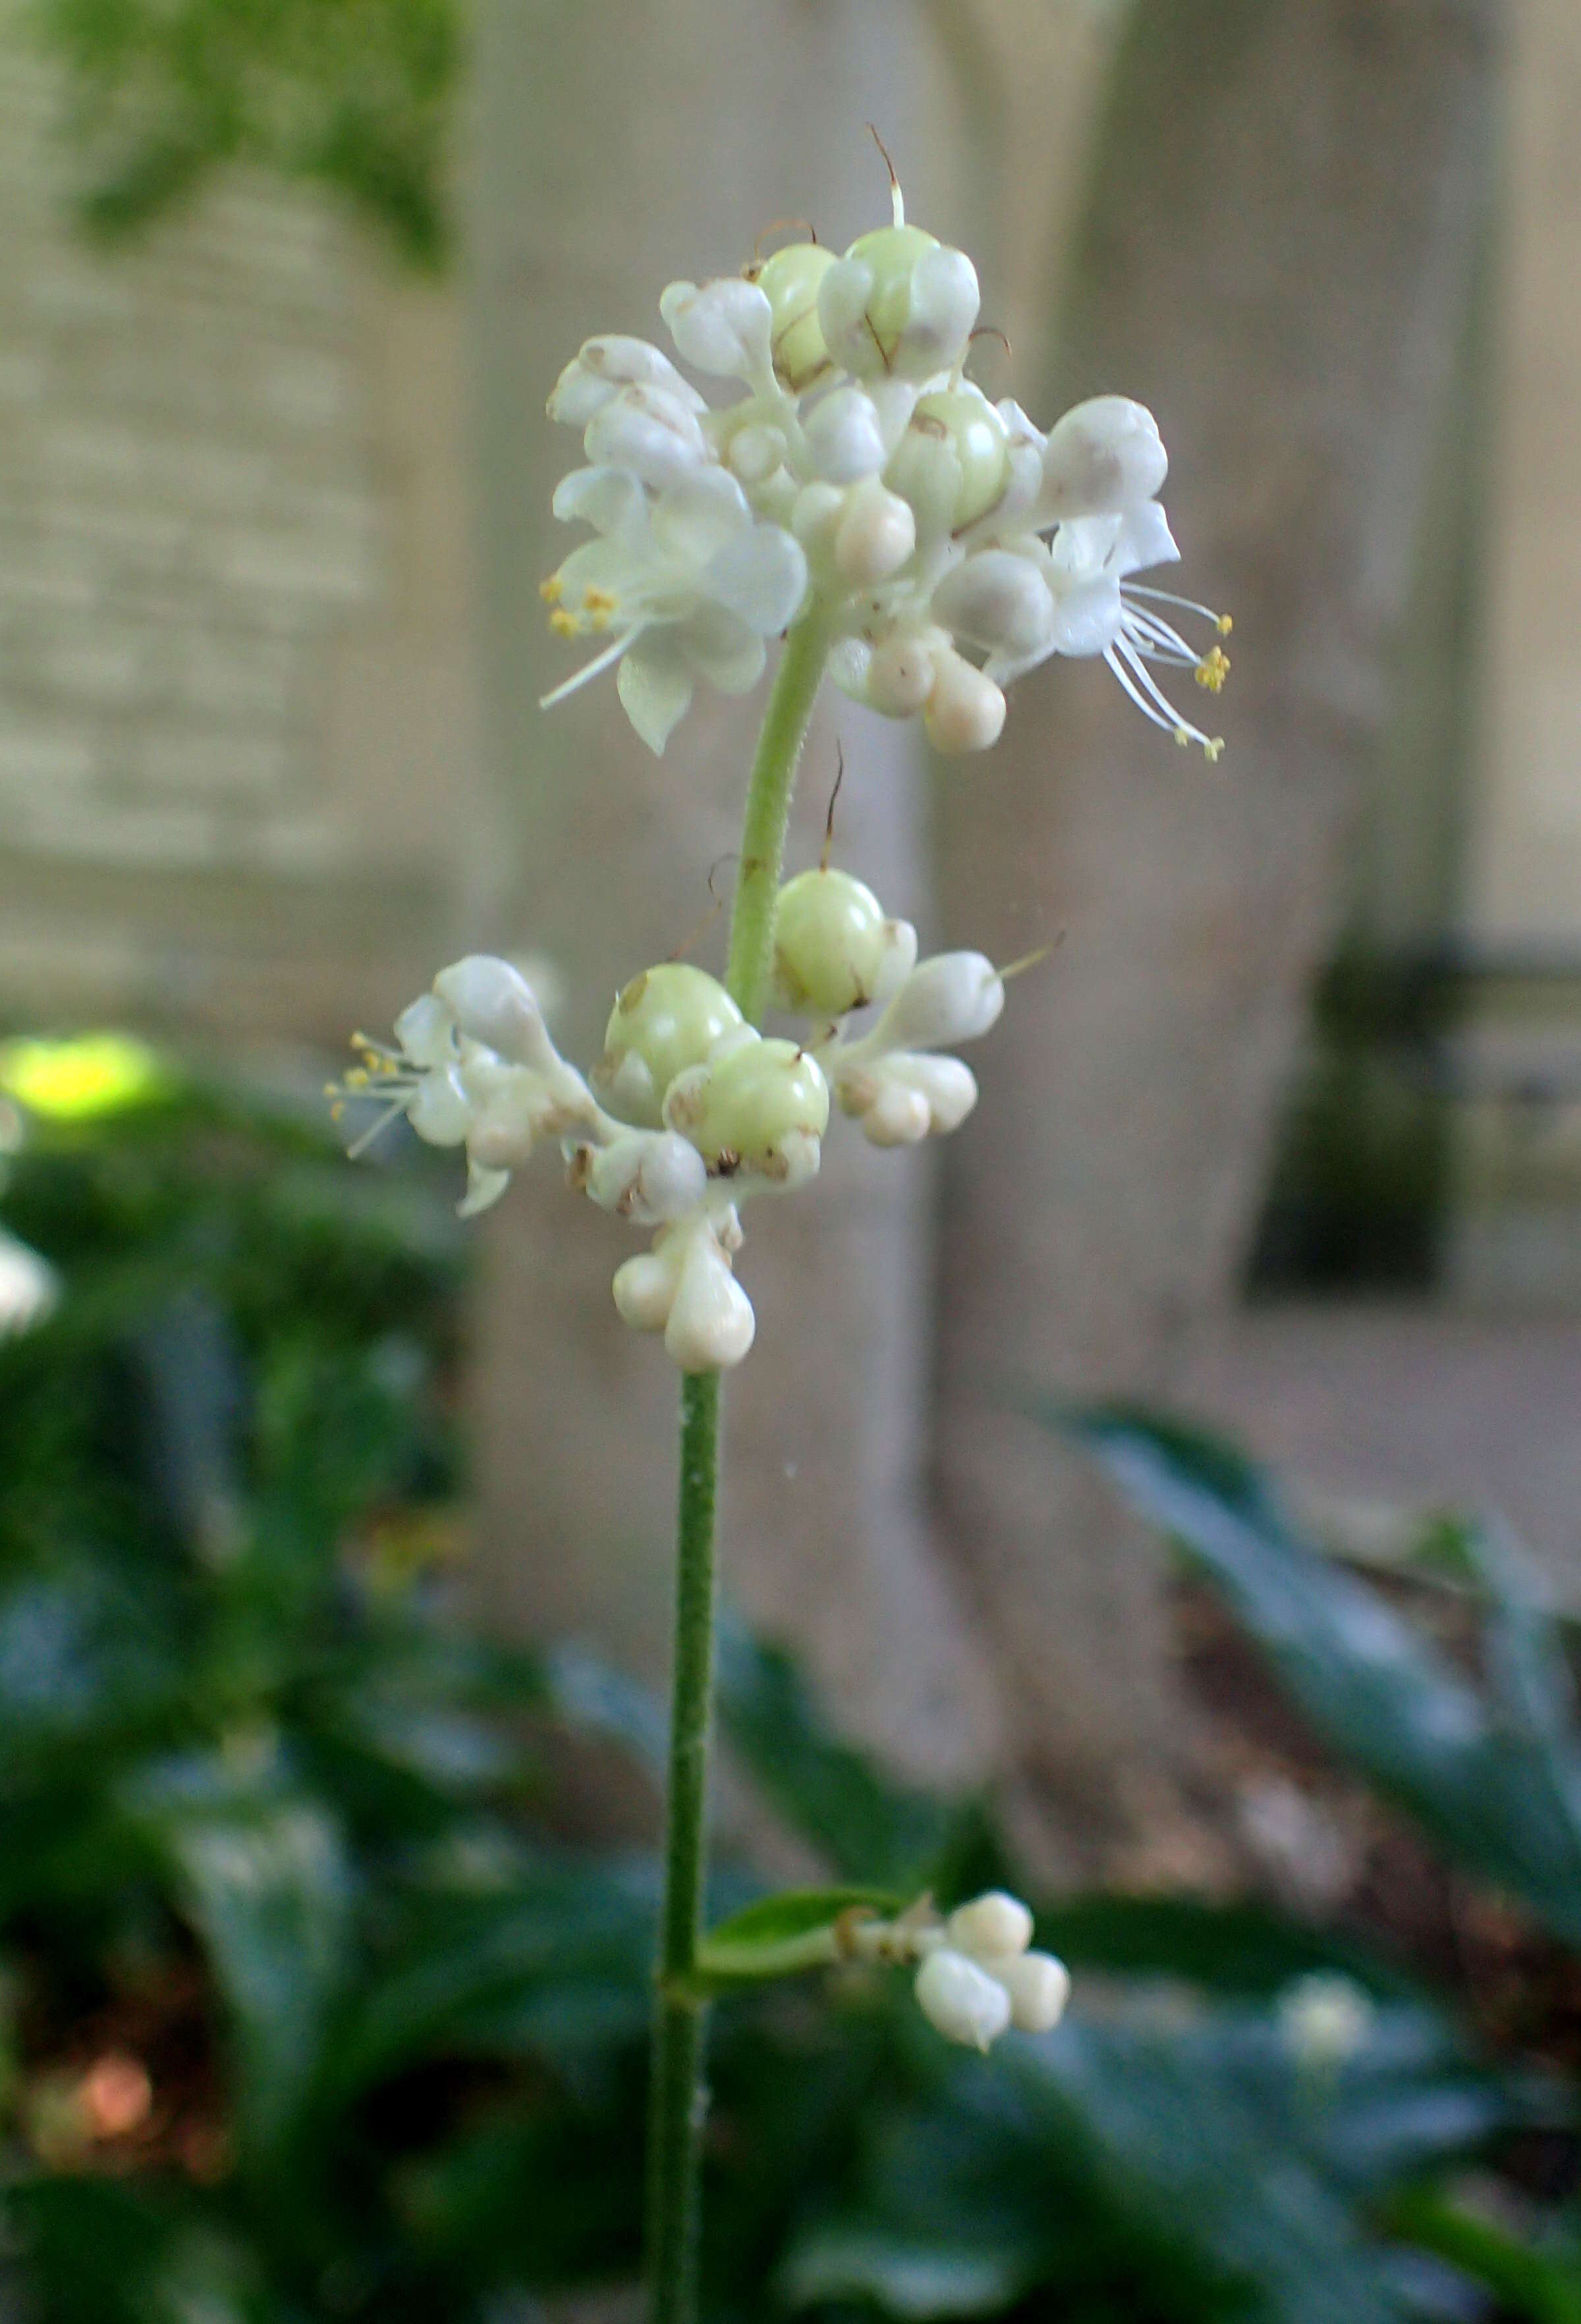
{"x": 689, "y": 1111}
{"x": 946, "y": 543}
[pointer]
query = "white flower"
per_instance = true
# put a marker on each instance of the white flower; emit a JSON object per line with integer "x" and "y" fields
{"x": 978, "y": 1977}
{"x": 886, "y": 1080}
{"x": 724, "y": 327}
{"x": 1090, "y": 561}
{"x": 29, "y": 1286}
{"x": 687, "y": 584}
{"x": 607, "y": 364}
{"x": 1323, "y": 2019}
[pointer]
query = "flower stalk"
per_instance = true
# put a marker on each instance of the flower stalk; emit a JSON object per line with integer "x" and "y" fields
{"x": 679, "y": 2095}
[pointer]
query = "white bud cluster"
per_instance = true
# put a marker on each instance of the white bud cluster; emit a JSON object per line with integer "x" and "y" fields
{"x": 948, "y": 545}
{"x": 689, "y": 1111}
{"x": 976, "y": 1975}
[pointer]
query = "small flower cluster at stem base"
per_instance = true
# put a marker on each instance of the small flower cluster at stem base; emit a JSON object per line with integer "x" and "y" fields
{"x": 946, "y": 544}
{"x": 691, "y": 1111}
{"x": 977, "y": 1974}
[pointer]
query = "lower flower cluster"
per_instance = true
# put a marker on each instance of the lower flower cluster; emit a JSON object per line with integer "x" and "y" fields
{"x": 691, "y": 1111}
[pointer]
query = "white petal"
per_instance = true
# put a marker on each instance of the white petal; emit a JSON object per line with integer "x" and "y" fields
{"x": 722, "y": 648}
{"x": 484, "y": 1189}
{"x": 761, "y": 577}
{"x": 945, "y": 300}
{"x": 843, "y": 293}
{"x": 425, "y": 1032}
{"x": 724, "y": 327}
{"x": 1104, "y": 456}
{"x": 655, "y": 688}
{"x": 1144, "y": 538}
{"x": 611, "y": 500}
{"x": 947, "y": 1087}
{"x": 1088, "y": 618}
{"x": 493, "y": 1002}
{"x": 609, "y": 362}
{"x": 963, "y": 2001}
{"x": 647, "y": 431}
{"x": 998, "y": 600}
{"x": 644, "y": 1290}
{"x": 438, "y": 1111}
{"x": 955, "y": 996}
{"x": 695, "y": 518}
{"x": 992, "y": 1924}
{"x": 577, "y": 394}
{"x": 849, "y": 665}
{"x": 845, "y": 437}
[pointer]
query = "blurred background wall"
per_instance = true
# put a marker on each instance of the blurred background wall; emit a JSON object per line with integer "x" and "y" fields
{"x": 1288, "y": 1128}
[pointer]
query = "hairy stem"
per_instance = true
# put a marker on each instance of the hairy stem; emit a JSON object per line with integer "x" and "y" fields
{"x": 679, "y": 2097}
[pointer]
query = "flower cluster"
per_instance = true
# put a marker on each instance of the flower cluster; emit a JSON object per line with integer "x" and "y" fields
{"x": 689, "y": 1111}
{"x": 946, "y": 544}
{"x": 978, "y": 1975}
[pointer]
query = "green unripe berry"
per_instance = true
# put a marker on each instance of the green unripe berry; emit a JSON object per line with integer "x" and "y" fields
{"x": 892, "y": 252}
{"x": 957, "y": 421}
{"x": 758, "y": 1109}
{"x": 666, "y": 1019}
{"x": 790, "y": 281}
{"x": 828, "y": 943}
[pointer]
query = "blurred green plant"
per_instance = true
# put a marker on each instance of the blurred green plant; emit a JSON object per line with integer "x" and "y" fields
{"x": 311, "y": 2011}
{"x": 353, "y": 94}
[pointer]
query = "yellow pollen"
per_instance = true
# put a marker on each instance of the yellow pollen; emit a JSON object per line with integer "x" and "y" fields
{"x": 550, "y": 590}
{"x": 564, "y": 624}
{"x": 1224, "y": 625}
{"x": 358, "y": 1077}
{"x": 600, "y": 601}
{"x": 598, "y": 621}
{"x": 1213, "y": 669}
{"x": 338, "y": 1111}
{"x": 1210, "y": 751}
{"x": 1182, "y": 737}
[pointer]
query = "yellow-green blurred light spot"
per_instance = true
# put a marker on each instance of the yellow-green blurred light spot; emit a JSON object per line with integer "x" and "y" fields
{"x": 72, "y": 1081}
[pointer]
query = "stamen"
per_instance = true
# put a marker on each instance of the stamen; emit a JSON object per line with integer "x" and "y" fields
{"x": 1213, "y": 669}
{"x": 600, "y": 662}
{"x": 359, "y": 1146}
{"x": 564, "y": 624}
{"x": 550, "y": 591}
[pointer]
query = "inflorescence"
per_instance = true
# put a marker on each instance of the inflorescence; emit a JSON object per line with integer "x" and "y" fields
{"x": 945, "y": 542}
{"x": 689, "y": 1111}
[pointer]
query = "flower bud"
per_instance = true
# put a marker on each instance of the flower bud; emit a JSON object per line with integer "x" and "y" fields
{"x": 1039, "y": 1988}
{"x": 607, "y": 364}
{"x": 1001, "y": 600}
{"x": 650, "y": 1177}
{"x": 711, "y": 1323}
{"x": 1102, "y": 457}
{"x": 845, "y": 437}
{"x": 815, "y": 520}
{"x": 756, "y": 453}
{"x": 439, "y": 1112}
{"x": 665, "y": 1020}
{"x": 899, "y": 304}
{"x": 992, "y": 1924}
{"x": 493, "y": 1002}
{"x": 953, "y": 996}
{"x": 891, "y": 1112}
{"x": 962, "y": 2001}
{"x": 761, "y": 1108}
{"x": 875, "y": 535}
{"x": 901, "y": 674}
{"x": 644, "y": 1289}
{"x": 954, "y": 458}
{"x": 829, "y": 943}
{"x": 649, "y": 431}
{"x": 723, "y": 328}
{"x": 966, "y": 710}
{"x": 790, "y": 282}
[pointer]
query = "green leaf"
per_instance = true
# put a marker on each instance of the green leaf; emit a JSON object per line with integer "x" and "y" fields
{"x": 1499, "y": 1785}
{"x": 781, "y": 1934}
{"x": 912, "y": 2278}
{"x": 265, "y": 1882}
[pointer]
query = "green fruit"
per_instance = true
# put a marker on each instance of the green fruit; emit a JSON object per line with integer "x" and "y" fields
{"x": 828, "y": 943}
{"x": 962, "y": 422}
{"x": 790, "y": 281}
{"x": 755, "y": 1099}
{"x": 666, "y": 1019}
{"x": 891, "y": 252}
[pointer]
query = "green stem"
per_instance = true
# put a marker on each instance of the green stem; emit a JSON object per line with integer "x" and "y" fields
{"x": 768, "y": 810}
{"x": 678, "y": 2097}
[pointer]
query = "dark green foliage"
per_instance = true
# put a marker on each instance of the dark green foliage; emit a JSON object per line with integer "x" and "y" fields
{"x": 270, "y": 1820}
{"x": 353, "y": 94}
